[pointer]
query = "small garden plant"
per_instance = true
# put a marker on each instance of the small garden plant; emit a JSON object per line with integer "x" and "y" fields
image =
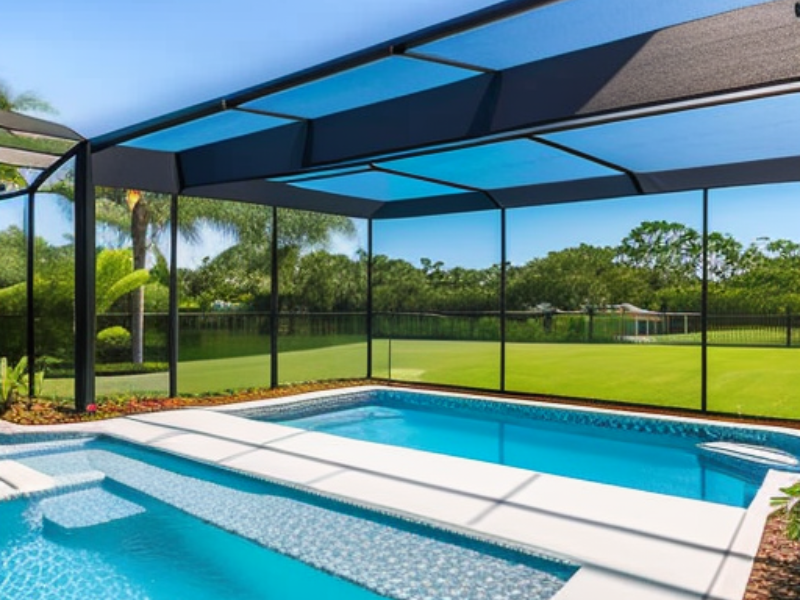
{"x": 14, "y": 382}
{"x": 789, "y": 506}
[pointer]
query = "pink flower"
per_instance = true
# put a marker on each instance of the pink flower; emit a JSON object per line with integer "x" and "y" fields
{"x": 91, "y": 408}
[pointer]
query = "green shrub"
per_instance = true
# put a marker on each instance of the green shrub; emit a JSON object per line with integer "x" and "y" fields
{"x": 113, "y": 344}
{"x": 156, "y": 298}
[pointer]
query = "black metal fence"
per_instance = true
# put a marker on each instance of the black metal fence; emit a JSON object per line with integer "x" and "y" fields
{"x": 592, "y": 327}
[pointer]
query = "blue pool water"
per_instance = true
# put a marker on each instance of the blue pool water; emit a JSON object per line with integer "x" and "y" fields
{"x": 630, "y": 451}
{"x": 130, "y": 523}
{"x": 160, "y": 553}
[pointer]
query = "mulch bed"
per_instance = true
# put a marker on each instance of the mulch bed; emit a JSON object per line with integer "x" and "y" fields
{"x": 49, "y": 412}
{"x": 776, "y": 572}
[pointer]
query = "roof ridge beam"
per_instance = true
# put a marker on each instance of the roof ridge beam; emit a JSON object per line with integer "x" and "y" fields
{"x": 269, "y": 113}
{"x": 458, "y": 186}
{"x": 591, "y": 158}
{"x": 444, "y": 61}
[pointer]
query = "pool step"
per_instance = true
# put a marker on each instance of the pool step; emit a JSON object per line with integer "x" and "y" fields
{"x": 761, "y": 455}
{"x": 17, "y": 479}
{"x": 26, "y": 449}
{"x": 87, "y": 508}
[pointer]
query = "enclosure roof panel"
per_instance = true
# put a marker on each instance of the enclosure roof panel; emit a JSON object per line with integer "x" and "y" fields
{"x": 500, "y": 164}
{"x": 527, "y": 102}
{"x": 376, "y": 185}
{"x": 207, "y": 130}
{"x": 381, "y": 80}
{"x": 28, "y": 147}
{"x": 765, "y": 128}
{"x": 563, "y": 27}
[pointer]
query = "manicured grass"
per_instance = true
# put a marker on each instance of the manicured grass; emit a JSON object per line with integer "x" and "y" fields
{"x": 753, "y": 381}
{"x": 200, "y": 376}
{"x": 214, "y": 344}
{"x": 740, "y": 336}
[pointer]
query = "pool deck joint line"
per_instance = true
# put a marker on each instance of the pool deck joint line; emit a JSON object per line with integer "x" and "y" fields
{"x": 631, "y": 545}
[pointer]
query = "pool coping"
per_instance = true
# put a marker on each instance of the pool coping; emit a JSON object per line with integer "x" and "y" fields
{"x": 506, "y": 491}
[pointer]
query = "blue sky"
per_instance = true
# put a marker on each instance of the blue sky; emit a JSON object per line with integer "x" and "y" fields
{"x": 472, "y": 239}
{"x": 107, "y": 64}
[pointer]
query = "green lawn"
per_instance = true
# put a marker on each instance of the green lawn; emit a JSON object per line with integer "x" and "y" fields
{"x": 221, "y": 374}
{"x": 761, "y": 336}
{"x": 755, "y": 381}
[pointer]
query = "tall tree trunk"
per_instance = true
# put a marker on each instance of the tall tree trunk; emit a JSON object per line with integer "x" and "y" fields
{"x": 139, "y": 238}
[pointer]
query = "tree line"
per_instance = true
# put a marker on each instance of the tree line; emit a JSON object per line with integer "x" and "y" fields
{"x": 657, "y": 266}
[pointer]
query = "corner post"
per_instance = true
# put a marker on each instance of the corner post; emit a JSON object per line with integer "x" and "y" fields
{"x": 274, "y": 291}
{"x": 369, "y": 299}
{"x": 503, "y": 273}
{"x": 84, "y": 278}
{"x": 30, "y": 307}
{"x": 174, "y": 324}
{"x": 704, "y": 312}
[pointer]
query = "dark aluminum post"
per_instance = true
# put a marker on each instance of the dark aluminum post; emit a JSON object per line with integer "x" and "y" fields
{"x": 369, "y": 299}
{"x": 174, "y": 325}
{"x": 704, "y": 312}
{"x": 274, "y": 290}
{"x": 30, "y": 239}
{"x": 84, "y": 278}
{"x": 788, "y": 326}
{"x": 503, "y": 259}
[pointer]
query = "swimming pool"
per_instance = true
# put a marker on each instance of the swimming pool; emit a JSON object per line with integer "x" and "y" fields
{"x": 697, "y": 460}
{"x": 131, "y": 523}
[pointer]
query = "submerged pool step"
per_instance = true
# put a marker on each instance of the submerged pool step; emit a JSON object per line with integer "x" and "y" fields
{"x": 761, "y": 455}
{"x": 397, "y": 560}
{"x": 87, "y": 508}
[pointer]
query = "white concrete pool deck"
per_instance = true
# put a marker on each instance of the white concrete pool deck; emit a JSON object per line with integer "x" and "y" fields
{"x": 632, "y": 545}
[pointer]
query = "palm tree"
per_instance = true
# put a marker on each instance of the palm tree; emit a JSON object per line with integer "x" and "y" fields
{"x": 142, "y": 218}
{"x": 26, "y": 102}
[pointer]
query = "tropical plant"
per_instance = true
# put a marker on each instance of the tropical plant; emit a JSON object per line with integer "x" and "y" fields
{"x": 142, "y": 217}
{"x": 789, "y": 506}
{"x": 116, "y": 277}
{"x": 15, "y": 381}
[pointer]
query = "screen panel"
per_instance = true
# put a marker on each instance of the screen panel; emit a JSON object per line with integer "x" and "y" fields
{"x": 371, "y": 83}
{"x": 754, "y": 301}
{"x": 224, "y": 265}
{"x": 744, "y": 131}
{"x": 562, "y": 27}
{"x": 603, "y": 300}
{"x": 13, "y": 279}
{"x": 504, "y": 164}
{"x": 132, "y": 291}
{"x": 214, "y": 128}
{"x": 54, "y": 284}
{"x": 322, "y": 270}
{"x": 437, "y": 300}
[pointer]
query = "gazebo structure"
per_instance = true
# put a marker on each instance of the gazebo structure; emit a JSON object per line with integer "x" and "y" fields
{"x": 494, "y": 111}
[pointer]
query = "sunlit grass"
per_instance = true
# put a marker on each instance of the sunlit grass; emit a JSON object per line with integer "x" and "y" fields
{"x": 218, "y": 375}
{"x": 753, "y": 381}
